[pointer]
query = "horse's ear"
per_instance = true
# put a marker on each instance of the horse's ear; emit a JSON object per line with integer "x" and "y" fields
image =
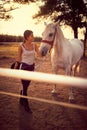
{"x": 45, "y": 23}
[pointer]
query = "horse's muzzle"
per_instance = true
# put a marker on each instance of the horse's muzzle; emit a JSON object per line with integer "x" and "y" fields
{"x": 44, "y": 51}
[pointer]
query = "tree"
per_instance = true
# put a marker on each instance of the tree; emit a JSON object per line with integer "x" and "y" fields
{"x": 69, "y": 12}
{"x": 6, "y": 6}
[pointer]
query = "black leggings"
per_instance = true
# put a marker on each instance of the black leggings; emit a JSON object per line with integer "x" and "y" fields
{"x": 25, "y": 83}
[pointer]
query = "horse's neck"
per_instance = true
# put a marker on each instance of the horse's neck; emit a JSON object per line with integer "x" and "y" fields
{"x": 58, "y": 44}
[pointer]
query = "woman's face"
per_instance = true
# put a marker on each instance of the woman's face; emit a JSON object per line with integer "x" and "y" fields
{"x": 30, "y": 38}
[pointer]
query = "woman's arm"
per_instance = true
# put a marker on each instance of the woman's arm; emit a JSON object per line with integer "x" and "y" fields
{"x": 19, "y": 55}
{"x": 37, "y": 50}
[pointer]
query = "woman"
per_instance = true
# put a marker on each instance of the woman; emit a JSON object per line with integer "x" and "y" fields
{"x": 26, "y": 56}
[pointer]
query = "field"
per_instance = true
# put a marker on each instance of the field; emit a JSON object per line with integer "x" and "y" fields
{"x": 45, "y": 116}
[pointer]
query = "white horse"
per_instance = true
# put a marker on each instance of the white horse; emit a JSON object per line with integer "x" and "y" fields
{"x": 66, "y": 54}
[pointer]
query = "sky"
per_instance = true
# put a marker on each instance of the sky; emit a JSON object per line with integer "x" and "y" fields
{"x": 22, "y": 20}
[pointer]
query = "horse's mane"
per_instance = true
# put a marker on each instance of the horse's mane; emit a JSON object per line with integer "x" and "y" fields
{"x": 59, "y": 40}
{"x": 60, "y": 33}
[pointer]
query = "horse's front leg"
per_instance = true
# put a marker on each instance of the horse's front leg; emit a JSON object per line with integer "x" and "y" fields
{"x": 54, "y": 68}
{"x": 68, "y": 73}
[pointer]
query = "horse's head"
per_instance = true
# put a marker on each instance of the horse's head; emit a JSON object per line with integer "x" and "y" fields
{"x": 48, "y": 37}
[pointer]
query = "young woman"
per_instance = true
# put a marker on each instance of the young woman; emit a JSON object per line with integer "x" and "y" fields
{"x": 26, "y": 56}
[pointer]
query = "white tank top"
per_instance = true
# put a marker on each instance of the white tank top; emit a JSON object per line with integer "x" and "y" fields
{"x": 28, "y": 56}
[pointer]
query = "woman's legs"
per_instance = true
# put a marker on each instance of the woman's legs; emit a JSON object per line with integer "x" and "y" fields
{"x": 25, "y": 84}
{"x": 24, "y": 101}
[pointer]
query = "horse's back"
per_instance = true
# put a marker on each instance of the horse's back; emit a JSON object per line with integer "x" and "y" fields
{"x": 77, "y": 48}
{"x": 77, "y": 42}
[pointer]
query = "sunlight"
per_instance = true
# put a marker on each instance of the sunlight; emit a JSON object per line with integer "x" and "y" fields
{"x": 22, "y": 20}
{"x": 67, "y": 31}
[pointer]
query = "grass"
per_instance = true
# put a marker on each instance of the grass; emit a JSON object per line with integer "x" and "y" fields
{"x": 8, "y": 50}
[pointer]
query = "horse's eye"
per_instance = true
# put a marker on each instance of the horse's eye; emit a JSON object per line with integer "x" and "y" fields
{"x": 51, "y": 34}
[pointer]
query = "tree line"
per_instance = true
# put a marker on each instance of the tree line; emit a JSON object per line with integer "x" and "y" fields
{"x": 11, "y": 38}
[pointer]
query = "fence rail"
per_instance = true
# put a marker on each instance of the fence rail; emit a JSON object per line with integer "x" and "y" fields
{"x": 43, "y": 77}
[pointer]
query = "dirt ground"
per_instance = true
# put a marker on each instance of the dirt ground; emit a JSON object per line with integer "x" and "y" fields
{"x": 45, "y": 116}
